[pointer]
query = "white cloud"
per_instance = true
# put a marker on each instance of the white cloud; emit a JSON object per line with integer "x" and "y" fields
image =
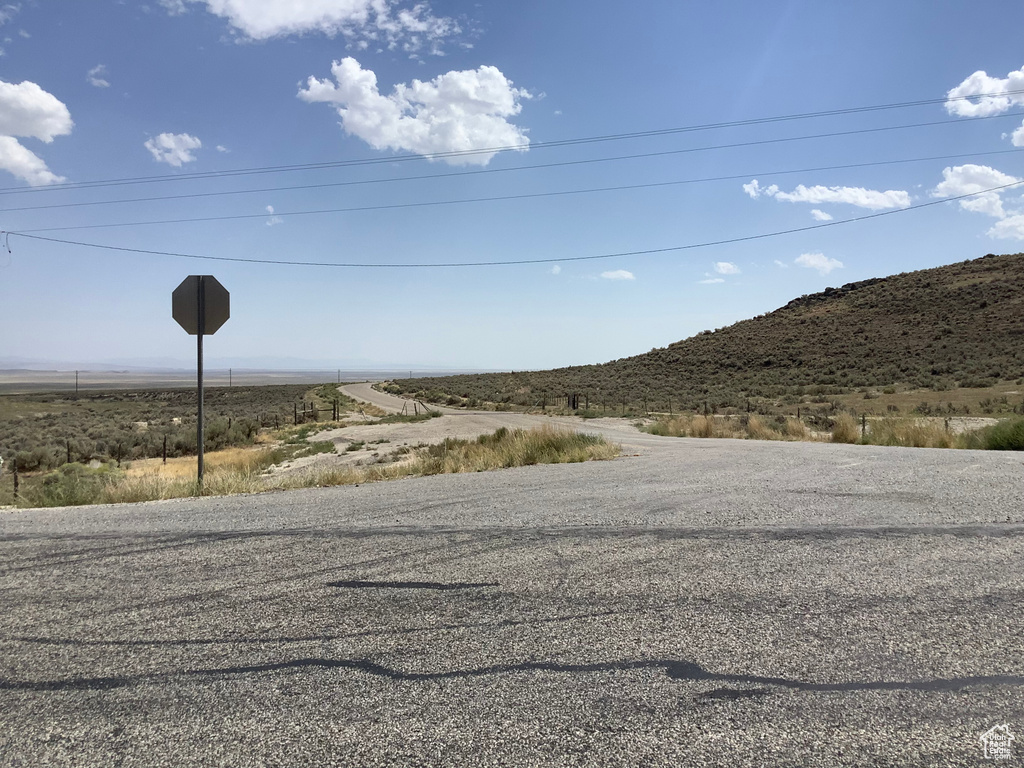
{"x": 455, "y": 112}
{"x": 755, "y": 190}
{"x": 967, "y": 99}
{"x": 1017, "y": 137}
{"x": 408, "y": 27}
{"x": 781, "y": 264}
{"x": 970, "y": 178}
{"x": 222, "y": 148}
{"x": 820, "y": 215}
{"x": 818, "y": 261}
{"x": 173, "y": 148}
{"x": 24, "y": 164}
{"x": 27, "y": 111}
{"x": 1010, "y": 228}
{"x": 862, "y": 198}
{"x": 712, "y": 280}
{"x": 174, "y": 7}
{"x": 556, "y": 270}
{"x": 618, "y": 274}
{"x": 96, "y": 77}
{"x": 726, "y": 268}
{"x": 8, "y": 11}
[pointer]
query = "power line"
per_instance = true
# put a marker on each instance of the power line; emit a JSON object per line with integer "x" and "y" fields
{"x": 514, "y": 262}
{"x": 506, "y": 148}
{"x": 495, "y": 198}
{"x": 361, "y": 182}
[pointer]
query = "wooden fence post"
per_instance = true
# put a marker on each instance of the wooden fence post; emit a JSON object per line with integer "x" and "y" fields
{"x": 165, "y": 449}
{"x": 863, "y": 424}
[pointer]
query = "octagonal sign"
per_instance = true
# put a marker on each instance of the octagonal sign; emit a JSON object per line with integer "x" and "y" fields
{"x": 201, "y": 292}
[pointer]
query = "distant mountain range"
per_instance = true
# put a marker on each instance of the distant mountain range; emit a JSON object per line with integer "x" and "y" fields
{"x": 169, "y": 364}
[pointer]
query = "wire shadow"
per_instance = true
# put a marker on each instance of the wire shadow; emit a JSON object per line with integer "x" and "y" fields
{"x": 411, "y": 584}
{"x": 675, "y": 669}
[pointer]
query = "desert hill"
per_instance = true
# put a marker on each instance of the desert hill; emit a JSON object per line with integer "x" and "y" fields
{"x": 956, "y": 325}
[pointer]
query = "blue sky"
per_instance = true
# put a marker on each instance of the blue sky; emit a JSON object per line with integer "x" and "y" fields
{"x": 381, "y": 93}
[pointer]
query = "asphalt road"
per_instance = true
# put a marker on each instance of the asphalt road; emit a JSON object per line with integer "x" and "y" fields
{"x": 715, "y": 602}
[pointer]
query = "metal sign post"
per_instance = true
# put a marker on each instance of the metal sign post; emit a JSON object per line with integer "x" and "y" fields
{"x": 201, "y": 305}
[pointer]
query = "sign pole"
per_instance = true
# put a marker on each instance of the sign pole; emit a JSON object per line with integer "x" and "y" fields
{"x": 201, "y": 309}
{"x": 190, "y": 310}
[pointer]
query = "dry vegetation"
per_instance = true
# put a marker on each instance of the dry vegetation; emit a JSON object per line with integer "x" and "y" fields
{"x": 244, "y": 471}
{"x": 844, "y": 428}
{"x": 45, "y": 431}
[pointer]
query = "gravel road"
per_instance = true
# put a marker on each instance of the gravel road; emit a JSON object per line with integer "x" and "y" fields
{"x": 723, "y": 602}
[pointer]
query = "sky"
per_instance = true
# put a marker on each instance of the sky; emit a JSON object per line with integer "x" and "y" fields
{"x": 656, "y": 169}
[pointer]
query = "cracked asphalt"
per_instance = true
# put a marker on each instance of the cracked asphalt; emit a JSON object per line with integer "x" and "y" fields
{"x": 719, "y": 602}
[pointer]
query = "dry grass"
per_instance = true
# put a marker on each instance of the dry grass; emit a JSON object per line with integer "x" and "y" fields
{"x": 184, "y": 467}
{"x": 845, "y": 429}
{"x": 236, "y": 471}
{"x": 752, "y": 427}
{"x": 915, "y": 433}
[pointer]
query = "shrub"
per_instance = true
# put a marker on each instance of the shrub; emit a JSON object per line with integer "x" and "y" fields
{"x": 1005, "y": 436}
{"x": 845, "y": 429}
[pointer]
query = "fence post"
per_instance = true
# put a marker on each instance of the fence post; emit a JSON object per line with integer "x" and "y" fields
{"x": 15, "y": 481}
{"x": 165, "y": 449}
{"x": 69, "y": 451}
{"x": 863, "y": 424}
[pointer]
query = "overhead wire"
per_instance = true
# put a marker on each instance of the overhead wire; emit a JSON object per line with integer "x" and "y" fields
{"x": 470, "y": 200}
{"x": 566, "y": 163}
{"x": 515, "y": 262}
{"x": 455, "y": 154}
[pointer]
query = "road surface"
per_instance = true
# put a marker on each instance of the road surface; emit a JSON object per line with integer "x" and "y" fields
{"x": 717, "y": 602}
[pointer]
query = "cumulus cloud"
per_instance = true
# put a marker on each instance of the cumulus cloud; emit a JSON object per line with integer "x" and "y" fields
{"x": 818, "y": 261}
{"x": 27, "y": 111}
{"x": 871, "y": 199}
{"x": 174, "y": 149}
{"x": 981, "y": 95}
{"x": 409, "y": 27}
{"x": 820, "y": 215}
{"x": 460, "y": 111}
{"x": 755, "y": 190}
{"x": 1010, "y": 228}
{"x": 712, "y": 280}
{"x": 970, "y": 178}
{"x": 24, "y": 164}
{"x": 863, "y": 198}
{"x": 781, "y": 264}
{"x": 96, "y": 76}
{"x": 618, "y": 274}
{"x": 556, "y": 270}
{"x": 222, "y": 148}
{"x": 1017, "y": 137}
{"x": 273, "y": 220}
{"x": 726, "y": 268}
